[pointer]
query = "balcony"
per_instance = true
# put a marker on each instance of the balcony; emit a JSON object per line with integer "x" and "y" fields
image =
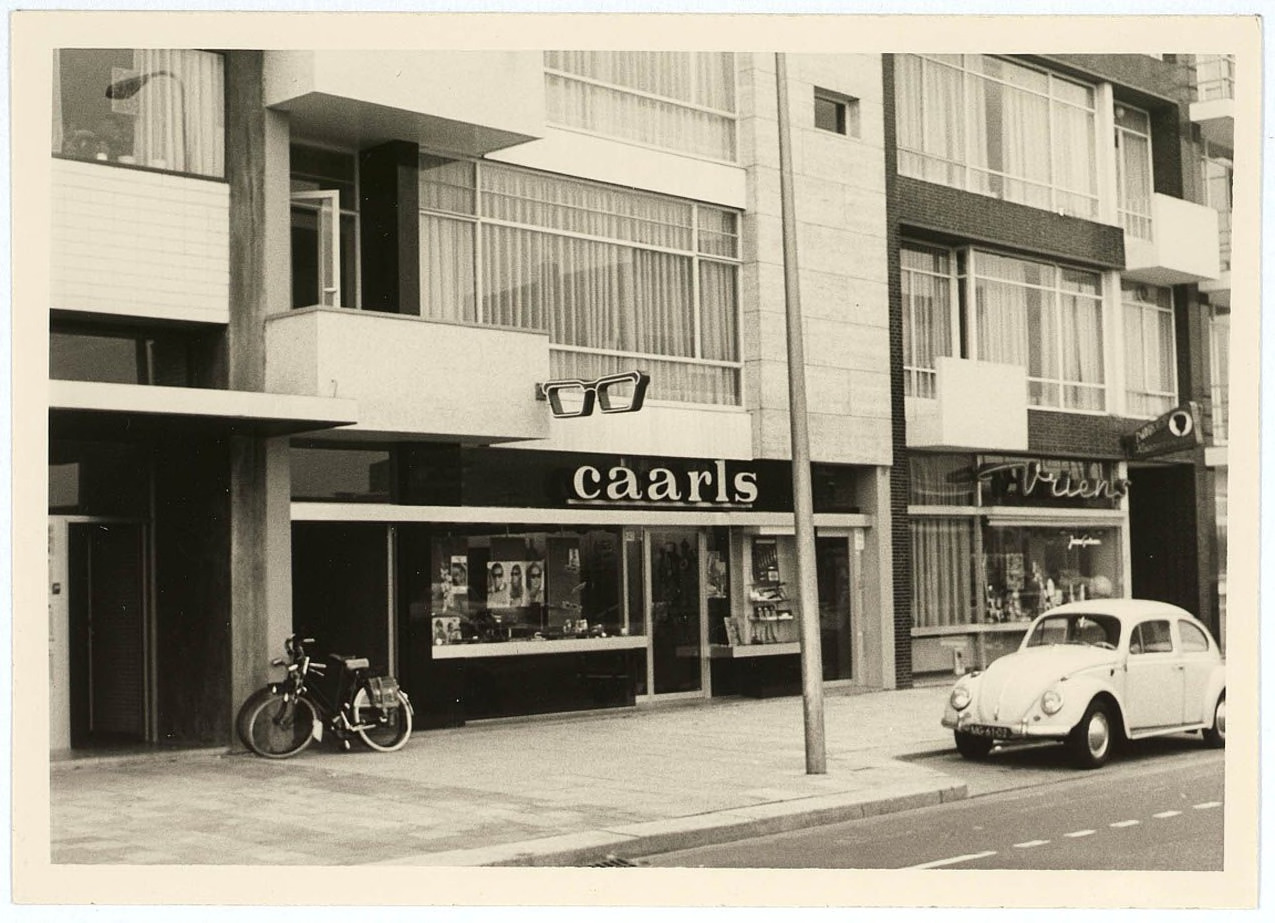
{"x": 468, "y": 102}
{"x": 138, "y": 243}
{"x": 412, "y": 377}
{"x": 1214, "y": 106}
{"x": 1184, "y": 248}
{"x": 978, "y": 406}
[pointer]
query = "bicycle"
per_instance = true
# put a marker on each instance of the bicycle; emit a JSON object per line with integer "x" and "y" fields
{"x": 282, "y": 719}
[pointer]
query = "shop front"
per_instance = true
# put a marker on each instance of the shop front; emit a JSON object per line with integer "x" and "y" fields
{"x": 501, "y": 582}
{"x": 997, "y": 540}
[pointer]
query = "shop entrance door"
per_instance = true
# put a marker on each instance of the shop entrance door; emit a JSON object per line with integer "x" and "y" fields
{"x": 677, "y": 604}
{"x": 106, "y": 632}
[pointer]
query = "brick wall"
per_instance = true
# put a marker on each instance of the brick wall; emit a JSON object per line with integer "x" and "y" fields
{"x": 956, "y": 216}
{"x": 900, "y": 532}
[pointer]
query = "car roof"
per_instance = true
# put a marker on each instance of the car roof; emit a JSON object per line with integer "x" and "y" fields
{"x": 1122, "y": 608}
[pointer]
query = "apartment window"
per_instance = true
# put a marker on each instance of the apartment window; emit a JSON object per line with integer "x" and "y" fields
{"x": 325, "y": 251}
{"x": 1219, "y": 372}
{"x": 1150, "y": 351}
{"x": 1214, "y": 76}
{"x": 151, "y": 108}
{"x": 836, "y": 113}
{"x": 998, "y": 128}
{"x": 928, "y": 322}
{"x": 124, "y": 356}
{"x": 1047, "y": 318}
{"x": 674, "y": 100}
{"x": 1043, "y": 317}
{"x": 616, "y": 277}
{"x": 1218, "y": 171}
{"x": 1134, "y": 185}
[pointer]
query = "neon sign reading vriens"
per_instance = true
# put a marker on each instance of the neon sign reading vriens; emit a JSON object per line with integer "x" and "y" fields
{"x": 1031, "y": 475}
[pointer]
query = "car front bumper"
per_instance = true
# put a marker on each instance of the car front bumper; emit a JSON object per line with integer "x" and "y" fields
{"x": 1033, "y": 727}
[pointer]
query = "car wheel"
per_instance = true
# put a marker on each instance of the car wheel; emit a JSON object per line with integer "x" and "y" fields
{"x": 1091, "y": 740}
{"x": 971, "y": 747}
{"x": 1215, "y": 736}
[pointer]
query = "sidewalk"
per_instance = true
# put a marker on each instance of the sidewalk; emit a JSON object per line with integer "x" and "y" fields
{"x": 556, "y": 791}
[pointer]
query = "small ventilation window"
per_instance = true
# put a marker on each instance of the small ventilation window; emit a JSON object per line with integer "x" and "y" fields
{"x": 837, "y": 113}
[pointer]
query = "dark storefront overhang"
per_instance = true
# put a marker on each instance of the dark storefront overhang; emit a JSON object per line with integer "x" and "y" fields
{"x": 100, "y": 410}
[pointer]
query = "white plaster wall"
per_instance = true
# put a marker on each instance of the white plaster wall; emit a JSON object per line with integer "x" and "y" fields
{"x": 132, "y": 242}
{"x": 412, "y": 376}
{"x": 657, "y": 429}
{"x": 496, "y": 89}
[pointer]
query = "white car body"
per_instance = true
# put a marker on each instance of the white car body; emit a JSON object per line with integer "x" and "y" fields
{"x": 1146, "y": 678}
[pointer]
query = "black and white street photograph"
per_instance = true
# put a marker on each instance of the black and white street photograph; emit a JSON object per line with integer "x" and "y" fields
{"x": 636, "y": 459}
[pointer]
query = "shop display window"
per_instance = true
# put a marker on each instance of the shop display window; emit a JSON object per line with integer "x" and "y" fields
{"x": 529, "y": 586}
{"x": 1031, "y": 569}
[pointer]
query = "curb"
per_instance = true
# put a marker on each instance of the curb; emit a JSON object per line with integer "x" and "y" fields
{"x": 633, "y": 841}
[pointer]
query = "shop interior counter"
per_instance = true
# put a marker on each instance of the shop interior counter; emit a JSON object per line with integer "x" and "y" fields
{"x": 736, "y": 652}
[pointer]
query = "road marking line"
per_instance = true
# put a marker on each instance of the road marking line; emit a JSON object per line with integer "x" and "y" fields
{"x": 1207, "y": 804}
{"x": 1125, "y": 823}
{"x": 1167, "y": 814}
{"x": 953, "y": 860}
{"x": 1030, "y": 843}
{"x": 1077, "y": 833}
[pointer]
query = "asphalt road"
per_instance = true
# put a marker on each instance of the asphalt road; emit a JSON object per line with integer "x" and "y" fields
{"x": 1159, "y": 808}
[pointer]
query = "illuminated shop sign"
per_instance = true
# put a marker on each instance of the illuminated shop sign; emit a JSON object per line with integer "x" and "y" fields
{"x": 707, "y": 484}
{"x": 1041, "y": 481}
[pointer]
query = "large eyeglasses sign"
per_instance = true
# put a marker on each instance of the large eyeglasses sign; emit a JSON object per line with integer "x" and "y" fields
{"x": 623, "y": 392}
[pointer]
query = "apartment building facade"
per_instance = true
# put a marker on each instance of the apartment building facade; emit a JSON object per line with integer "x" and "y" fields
{"x": 304, "y": 305}
{"x": 1061, "y": 307}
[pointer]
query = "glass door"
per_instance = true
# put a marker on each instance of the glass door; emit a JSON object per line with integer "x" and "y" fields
{"x": 676, "y": 596}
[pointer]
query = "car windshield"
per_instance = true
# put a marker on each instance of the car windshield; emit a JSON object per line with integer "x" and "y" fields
{"x": 1075, "y": 628}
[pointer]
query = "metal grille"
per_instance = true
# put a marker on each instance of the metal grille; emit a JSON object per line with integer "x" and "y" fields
{"x": 612, "y": 862}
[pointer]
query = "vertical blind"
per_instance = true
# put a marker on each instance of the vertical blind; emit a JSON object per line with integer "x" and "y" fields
{"x": 617, "y": 278}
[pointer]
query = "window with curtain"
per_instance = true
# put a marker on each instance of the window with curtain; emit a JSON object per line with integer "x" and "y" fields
{"x": 676, "y": 100}
{"x": 160, "y": 109}
{"x": 1151, "y": 379}
{"x": 1044, "y": 317}
{"x": 617, "y": 278}
{"x": 998, "y": 128}
{"x": 1217, "y": 168}
{"x": 1219, "y": 372}
{"x": 1134, "y": 187}
{"x": 943, "y": 571}
{"x": 926, "y": 276}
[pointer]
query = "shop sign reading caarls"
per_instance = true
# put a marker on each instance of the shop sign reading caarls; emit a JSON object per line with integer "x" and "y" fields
{"x": 713, "y": 485}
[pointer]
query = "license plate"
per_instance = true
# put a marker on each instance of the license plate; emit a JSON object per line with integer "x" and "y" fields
{"x": 983, "y": 730}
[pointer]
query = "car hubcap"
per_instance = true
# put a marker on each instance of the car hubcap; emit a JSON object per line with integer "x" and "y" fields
{"x": 1219, "y": 719}
{"x": 1099, "y": 734}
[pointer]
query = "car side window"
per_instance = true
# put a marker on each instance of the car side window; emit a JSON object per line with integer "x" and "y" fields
{"x": 1194, "y": 641}
{"x": 1151, "y": 638}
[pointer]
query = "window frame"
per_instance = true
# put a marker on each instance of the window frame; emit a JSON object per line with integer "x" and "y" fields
{"x": 1167, "y": 399}
{"x": 962, "y": 167}
{"x": 845, "y": 109}
{"x": 698, "y": 253}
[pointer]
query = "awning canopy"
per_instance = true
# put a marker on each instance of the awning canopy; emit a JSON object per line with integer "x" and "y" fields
{"x": 91, "y": 409}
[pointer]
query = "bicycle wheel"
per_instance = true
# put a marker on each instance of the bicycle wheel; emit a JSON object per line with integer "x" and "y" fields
{"x": 388, "y": 730}
{"x": 245, "y": 712}
{"x": 279, "y": 727}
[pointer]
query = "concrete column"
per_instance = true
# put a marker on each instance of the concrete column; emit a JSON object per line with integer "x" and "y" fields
{"x": 876, "y": 621}
{"x": 257, "y": 168}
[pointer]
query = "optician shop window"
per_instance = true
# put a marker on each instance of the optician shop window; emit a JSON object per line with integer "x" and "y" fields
{"x": 161, "y": 109}
{"x": 493, "y": 584}
{"x": 971, "y": 563}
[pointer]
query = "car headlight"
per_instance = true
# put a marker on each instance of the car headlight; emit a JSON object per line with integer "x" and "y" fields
{"x": 1051, "y": 702}
{"x": 960, "y": 697}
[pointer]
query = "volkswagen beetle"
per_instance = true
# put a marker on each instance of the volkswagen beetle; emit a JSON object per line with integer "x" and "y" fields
{"x": 1091, "y": 673}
